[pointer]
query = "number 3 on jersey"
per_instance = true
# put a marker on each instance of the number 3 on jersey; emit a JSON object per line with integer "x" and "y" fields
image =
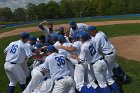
{"x": 60, "y": 60}
{"x": 14, "y": 49}
{"x": 92, "y": 50}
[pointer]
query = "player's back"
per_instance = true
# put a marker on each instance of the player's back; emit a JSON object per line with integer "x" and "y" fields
{"x": 89, "y": 52}
{"x": 102, "y": 43}
{"x": 15, "y": 52}
{"x": 57, "y": 65}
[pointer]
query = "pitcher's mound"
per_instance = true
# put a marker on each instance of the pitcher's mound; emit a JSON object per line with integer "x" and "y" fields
{"x": 127, "y": 46}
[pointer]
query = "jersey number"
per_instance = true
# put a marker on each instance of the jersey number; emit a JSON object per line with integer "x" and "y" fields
{"x": 14, "y": 49}
{"x": 92, "y": 50}
{"x": 60, "y": 60}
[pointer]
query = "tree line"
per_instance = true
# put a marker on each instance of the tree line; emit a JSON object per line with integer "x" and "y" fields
{"x": 70, "y": 9}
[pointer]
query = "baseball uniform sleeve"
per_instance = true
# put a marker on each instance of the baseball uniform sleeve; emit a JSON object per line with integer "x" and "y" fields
{"x": 103, "y": 42}
{"x": 57, "y": 44}
{"x": 28, "y": 51}
{"x": 68, "y": 56}
{"x": 46, "y": 64}
{"x": 82, "y": 27}
{"x": 46, "y": 31}
{"x": 86, "y": 27}
{"x": 76, "y": 45}
{"x": 6, "y": 49}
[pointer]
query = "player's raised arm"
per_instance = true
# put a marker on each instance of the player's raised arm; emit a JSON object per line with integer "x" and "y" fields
{"x": 42, "y": 28}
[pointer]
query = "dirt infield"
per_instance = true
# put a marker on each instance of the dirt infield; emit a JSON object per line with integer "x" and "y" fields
{"x": 127, "y": 46}
{"x": 34, "y": 29}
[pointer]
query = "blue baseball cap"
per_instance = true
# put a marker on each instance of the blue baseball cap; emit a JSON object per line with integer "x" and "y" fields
{"x": 61, "y": 29}
{"x": 91, "y": 28}
{"x": 33, "y": 38}
{"x": 84, "y": 35}
{"x": 51, "y": 48}
{"x": 61, "y": 38}
{"x": 24, "y": 35}
{"x": 72, "y": 23}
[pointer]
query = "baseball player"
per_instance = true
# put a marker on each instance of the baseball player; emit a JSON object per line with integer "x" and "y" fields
{"x": 16, "y": 53}
{"x": 77, "y": 27}
{"x": 38, "y": 75}
{"x": 44, "y": 87}
{"x": 31, "y": 42}
{"x": 81, "y": 69}
{"x": 62, "y": 41}
{"x": 89, "y": 53}
{"x": 47, "y": 85}
{"x": 107, "y": 50}
{"x": 57, "y": 65}
{"x": 74, "y": 49}
{"x": 48, "y": 31}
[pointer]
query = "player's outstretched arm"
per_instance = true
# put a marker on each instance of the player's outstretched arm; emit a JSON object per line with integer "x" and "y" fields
{"x": 70, "y": 49}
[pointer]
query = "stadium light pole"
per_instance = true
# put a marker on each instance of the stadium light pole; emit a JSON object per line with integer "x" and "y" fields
{"x": 81, "y": 12}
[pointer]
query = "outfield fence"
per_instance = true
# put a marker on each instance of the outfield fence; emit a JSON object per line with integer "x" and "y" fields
{"x": 82, "y": 18}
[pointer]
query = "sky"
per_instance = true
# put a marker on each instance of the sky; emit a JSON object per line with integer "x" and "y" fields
{"x": 13, "y": 4}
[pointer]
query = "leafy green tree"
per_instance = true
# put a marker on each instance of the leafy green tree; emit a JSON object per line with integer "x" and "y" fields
{"x": 133, "y": 6}
{"x": 103, "y": 6}
{"x": 66, "y": 8}
{"x": 32, "y": 12}
{"x": 20, "y": 14}
{"x": 89, "y": 8}
{"x": 6, "y": 13}
{"x": 42, "y": 10}
{"x": 52, "y": 10}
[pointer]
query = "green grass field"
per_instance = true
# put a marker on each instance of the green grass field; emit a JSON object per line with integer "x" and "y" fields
{"x": 131, "y": 67}
{"x": 67, "y": 21}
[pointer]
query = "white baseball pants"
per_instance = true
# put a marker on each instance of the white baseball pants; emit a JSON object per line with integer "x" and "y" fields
{"x": 102, "y": 73}
{"x": 110, "y": 59}
{"x": 15, "y": 73}
{"x": 65, "y": 85}
{"x": 37, "y": 78}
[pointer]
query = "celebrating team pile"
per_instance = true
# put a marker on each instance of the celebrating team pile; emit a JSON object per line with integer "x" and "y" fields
{"x": 79, "y": 61}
